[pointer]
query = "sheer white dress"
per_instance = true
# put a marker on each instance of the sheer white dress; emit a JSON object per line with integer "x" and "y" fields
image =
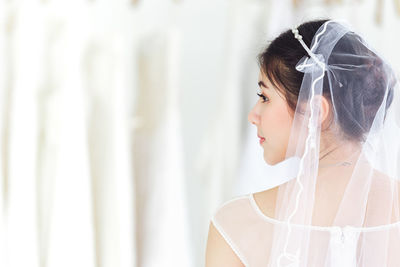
{"x": 249, "y": 232}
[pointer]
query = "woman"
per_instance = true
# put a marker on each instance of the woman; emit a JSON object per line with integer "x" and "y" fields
{"x": 328, "y": 112}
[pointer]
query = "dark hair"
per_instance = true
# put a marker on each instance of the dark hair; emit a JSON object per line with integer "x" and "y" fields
{"x": 363, "y": 92}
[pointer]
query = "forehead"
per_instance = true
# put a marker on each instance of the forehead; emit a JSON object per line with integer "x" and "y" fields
{"x": 269, "y": 87}
{"x": 262, "y": 77}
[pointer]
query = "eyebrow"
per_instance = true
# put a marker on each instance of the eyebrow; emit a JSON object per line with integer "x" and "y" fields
{"x": 261, "y": 83}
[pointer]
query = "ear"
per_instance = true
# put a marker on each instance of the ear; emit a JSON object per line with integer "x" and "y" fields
{"x": 325, "y": 111}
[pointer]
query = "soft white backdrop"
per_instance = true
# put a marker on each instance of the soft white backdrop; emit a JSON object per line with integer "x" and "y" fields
{"x": 124, "y": 123}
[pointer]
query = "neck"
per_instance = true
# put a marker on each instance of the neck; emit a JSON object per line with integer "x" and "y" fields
{"x": 338, "y": 154}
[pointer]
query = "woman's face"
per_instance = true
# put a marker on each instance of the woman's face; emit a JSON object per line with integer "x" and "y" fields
{"x": 273, "y": 120}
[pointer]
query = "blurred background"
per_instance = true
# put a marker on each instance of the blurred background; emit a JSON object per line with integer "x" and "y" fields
{"x": 124, "y": 123}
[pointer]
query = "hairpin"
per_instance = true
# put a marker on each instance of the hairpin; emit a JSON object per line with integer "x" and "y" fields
{"x": 298, "y": 36}
{"x": 295, "y": 31}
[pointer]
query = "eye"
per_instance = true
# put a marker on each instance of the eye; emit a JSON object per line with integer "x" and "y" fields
{"x": 263, "y": 97}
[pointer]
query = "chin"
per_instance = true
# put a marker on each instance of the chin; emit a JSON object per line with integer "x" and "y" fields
{"x": 272, "y": 161}
{"x": 269, "y": 161}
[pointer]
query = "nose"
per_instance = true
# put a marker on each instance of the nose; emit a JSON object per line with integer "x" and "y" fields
{"x": 253, "y": 117}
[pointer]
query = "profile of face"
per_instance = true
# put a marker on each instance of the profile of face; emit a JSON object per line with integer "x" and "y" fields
{"x": 273, "y": 120}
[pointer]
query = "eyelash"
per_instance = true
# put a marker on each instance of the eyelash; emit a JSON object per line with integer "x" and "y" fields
{"x": 262, "y": 96}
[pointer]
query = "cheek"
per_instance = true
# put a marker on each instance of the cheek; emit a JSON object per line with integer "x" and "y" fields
{"x": 276, "y": 125}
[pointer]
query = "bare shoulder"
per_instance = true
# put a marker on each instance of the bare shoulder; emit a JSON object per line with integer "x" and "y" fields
{"x": 266, "y": 201}
{"x": 218, "y": 251}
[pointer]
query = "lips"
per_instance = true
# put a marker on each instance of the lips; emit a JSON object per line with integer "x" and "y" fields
{"x": 262, "y": 139}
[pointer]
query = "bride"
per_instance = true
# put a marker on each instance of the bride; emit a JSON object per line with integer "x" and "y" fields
{"x": 327, "y": 106}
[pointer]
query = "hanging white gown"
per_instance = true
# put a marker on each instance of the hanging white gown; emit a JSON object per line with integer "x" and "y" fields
{"x": 158, "y": 153}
